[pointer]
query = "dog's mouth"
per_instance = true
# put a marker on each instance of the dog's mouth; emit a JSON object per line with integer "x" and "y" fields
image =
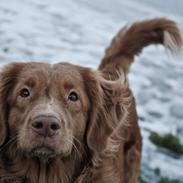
{"x": 42, "y": 152}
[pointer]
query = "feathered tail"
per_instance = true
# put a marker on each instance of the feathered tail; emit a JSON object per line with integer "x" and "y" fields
{"x": 131, "y": 40}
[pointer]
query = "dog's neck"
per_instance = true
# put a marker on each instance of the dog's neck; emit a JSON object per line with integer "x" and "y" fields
{"x": 15, "y": 167}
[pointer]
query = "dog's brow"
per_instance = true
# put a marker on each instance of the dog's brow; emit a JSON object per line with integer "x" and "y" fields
{"x": 30, "y": 82}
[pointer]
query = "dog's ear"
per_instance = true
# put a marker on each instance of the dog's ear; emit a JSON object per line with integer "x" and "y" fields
{"x": 98, "y": 128}
{"x": 8, "y": 78}
{"x": 105, "y": 110}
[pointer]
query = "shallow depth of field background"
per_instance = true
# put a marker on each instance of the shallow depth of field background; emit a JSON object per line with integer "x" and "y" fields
{"x": 78, "y": 31}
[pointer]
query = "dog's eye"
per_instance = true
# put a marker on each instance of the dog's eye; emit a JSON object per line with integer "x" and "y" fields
{"x": 24, "y": 93}
{"x": 73, "y": 96}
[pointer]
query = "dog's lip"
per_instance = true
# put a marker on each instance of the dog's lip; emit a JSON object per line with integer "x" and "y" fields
{"x": 42, "y": 151}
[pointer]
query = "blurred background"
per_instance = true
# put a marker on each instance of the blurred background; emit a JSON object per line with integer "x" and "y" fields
{"x": 78, "y": 32}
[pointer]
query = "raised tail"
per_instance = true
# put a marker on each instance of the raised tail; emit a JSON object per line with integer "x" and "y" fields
{"x": 131, "y": 40}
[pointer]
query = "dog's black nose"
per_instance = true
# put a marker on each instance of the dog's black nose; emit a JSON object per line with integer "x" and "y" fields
{"x": 46, "y": 125}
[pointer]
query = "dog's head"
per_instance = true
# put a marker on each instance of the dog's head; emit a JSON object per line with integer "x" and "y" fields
{"x": 47, "y": 109}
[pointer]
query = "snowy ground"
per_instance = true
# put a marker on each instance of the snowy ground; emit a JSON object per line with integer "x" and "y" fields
{"x": 78, "y": 31}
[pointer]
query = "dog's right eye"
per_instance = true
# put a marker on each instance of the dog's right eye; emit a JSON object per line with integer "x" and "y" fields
{"x": 24, "y": 93}
{"x": 73, "y": 96}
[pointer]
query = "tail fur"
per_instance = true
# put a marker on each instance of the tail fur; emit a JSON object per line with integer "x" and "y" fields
{"x": 131, "y": 40}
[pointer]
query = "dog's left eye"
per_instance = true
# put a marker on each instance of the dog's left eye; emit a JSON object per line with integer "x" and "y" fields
{"x": 73, "y": 96}
{"x": 24, "y": 93}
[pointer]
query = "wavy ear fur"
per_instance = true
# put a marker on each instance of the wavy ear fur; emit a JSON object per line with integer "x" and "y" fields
{"x": 105, "y": 113}
{"x": 8, "y": 78}
{"x": 97, "y": 127}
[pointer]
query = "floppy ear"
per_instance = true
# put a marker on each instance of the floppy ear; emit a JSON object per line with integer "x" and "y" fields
{"x": 8, "y": 78}
{"x": 98, "y": 128}
{"x": 105, "y": 110}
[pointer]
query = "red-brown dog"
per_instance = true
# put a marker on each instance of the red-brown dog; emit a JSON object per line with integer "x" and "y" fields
{"x": 68, "y": 124}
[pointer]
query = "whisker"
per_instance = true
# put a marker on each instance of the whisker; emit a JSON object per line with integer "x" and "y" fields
{"x": 76, "y": 140}
{"x": 78, "y": 152}
{"x": 81, "y": 146}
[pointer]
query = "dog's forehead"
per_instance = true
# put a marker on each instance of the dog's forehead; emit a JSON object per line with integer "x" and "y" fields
{"x": 66, "y": 69}
{"x": 44, "y": 72}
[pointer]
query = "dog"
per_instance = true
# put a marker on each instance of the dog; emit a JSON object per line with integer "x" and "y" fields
{"x": 65, "y": 123}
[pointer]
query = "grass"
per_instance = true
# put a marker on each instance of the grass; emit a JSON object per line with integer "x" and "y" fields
{"x": 161, "y": 179}
{"x": 142, "y": 180}
{"x": 167, "y": 180}
{"x": 157, "y": 171}
{"x": 167, "y": 141}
